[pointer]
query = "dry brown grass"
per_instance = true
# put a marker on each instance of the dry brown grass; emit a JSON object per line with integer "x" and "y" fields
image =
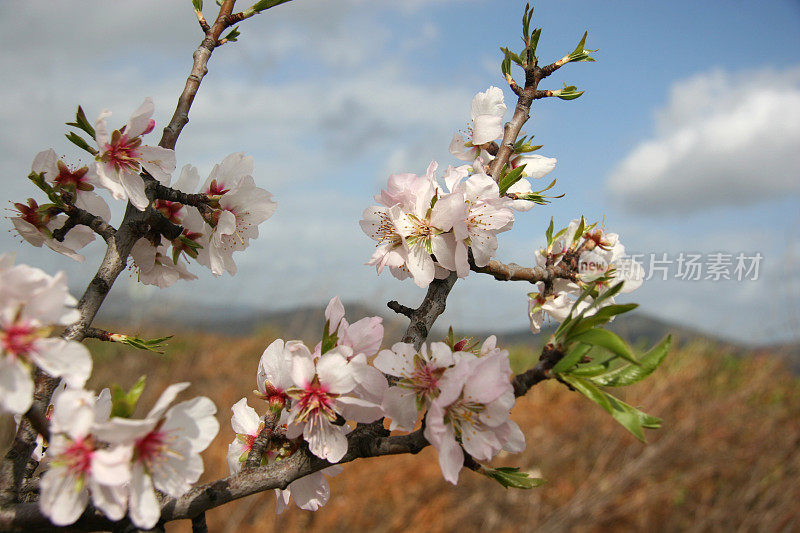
{"x": 727, "y": 458}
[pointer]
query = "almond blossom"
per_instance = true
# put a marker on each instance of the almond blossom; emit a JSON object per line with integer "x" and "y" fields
{"x": 31, "y": 302}
{"x": 121, "y": 156}
{"x": 309, "y": 493}
{"x": 487, "y": 110}
{"x": 419, "y": 373}
{"x": 78, "y": 465}
{"x": 472, "y": 410}
{"x": 425, "y": 230}
{"x": 167, "y": 445}
{"x": 36, "y": 225}
{"x": 322, "y": 391}
{"x": 536, "y": 166}
{"x": 156, "y": 267}
{"x": 78, "y": 182}
{"x": 240, "y": 207}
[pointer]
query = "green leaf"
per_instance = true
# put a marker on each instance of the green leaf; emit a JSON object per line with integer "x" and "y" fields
{"x": 549, "y": 232}
{"x": 569, "y": 92}
{"x": 124, "y": 403}
{"x": 593, "y": 369}
{"x": 510, "y": 179}
{"x": 581, "y": 53}
{"x": 512, "y": 56}
{"x": 232, "y": 35}
{"x": 151, "y": 345}
{"x": 262, "y": 5}
{"x": 82, "y": 123}
{"x": 601, "y": 317}
{"x": 510, "y": 476}
{"x": 631, "y": 418}
{"x": 198, "y": 5}
{"x": 328, "y": 341}
{"x": 573, "y": 357}
{"x": 608, "y": 340}
{"x": 630, "y": 374}
{"x": 78, "y": 141}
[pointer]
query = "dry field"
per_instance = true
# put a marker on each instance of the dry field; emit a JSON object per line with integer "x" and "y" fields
{"x": 726, "y": 459}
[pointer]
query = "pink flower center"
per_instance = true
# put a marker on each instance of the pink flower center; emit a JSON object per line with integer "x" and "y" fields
{"x": 315, "y": 398}
{"x": 122, "y": 152}
{"x": 78, "y": 456}
{"x": 425, "y": 379}
{"x": 151, "y": 446}
{"x": 30, "y": 214}
{"x": 215, "y": 189}
{"x": 69, "y": 178}
{"x": 170, "y": 210}
{"x": 17, "y": 339}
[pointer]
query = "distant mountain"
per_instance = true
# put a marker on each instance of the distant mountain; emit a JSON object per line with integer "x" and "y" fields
{"x": 306, "y": 323}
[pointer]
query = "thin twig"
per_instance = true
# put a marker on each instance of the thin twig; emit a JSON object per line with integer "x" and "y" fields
{"x": 77, "y": 216}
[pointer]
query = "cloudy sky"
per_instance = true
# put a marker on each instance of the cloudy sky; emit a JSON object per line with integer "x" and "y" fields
{"x": 686, "y": 140}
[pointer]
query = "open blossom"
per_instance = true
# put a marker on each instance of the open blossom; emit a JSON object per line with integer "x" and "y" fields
{"x": 241, "y": 208}
{"x": 31, "y": 302}
{"x": 79, "y": 466}
{"x": 156, "y": 267}
{"x": 472, "y": 410}
{"x": 425, "y": 230}
{"x": 122, "y": 156}
{"x": 166, "y": 445}
{"x": 80, "y": 182}
{"x": 323, "y": 390}
{"x": 487, "y": 215}
{"x": 419, "y": 373}
{"x": 536, "y": 166}
{"x": 310, "y": 492}
{"x": 487, "y": 110}
{"x": 36, "y": 226}
{"x": 363, "y": 338}
{"x": 554, "y": 303}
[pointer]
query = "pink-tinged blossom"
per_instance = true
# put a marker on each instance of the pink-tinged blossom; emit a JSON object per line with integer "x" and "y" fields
{"x": 274, "y": 377}
{"x": 155, "y": 266}
{"x": 241, "y": 208}
{"x": 472, "y": 410}
{"x": 487, "y": 110}
{"x": 555, "y": 303}
{"x": 122, "y": 156}
{"x": 363, "y": 336}
{"x": 487, "y": 215}
{"x": 166, "y": 445}
{"x": 79, "y": 467}
{"x": 80, "y": 182}
{"x": 31, "y": 302}
{"x": 36, "y": 226}
{"x": 536, "y": 166}
{"x": 419, "y": 373}
{"x": 426, "y": 231}
{"x": 310, "y": 492}
{"x": 323, "y": 390}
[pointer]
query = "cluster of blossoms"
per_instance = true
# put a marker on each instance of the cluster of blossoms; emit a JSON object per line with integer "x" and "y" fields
{"x": 117, "y": 462}
{"x": 468, "y": 397}
{"x": 425, "y": 231}
{"x": 598, "y": 259}
{"x": 221, "y": 223}
{"x": 120, "y": 462}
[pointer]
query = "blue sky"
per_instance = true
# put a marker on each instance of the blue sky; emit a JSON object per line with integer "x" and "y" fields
{"x": 683, "y": 141}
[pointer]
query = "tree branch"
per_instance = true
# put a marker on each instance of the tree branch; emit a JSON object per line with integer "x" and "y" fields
{"x": 76, "y": 216}
{"x": 263, "y": 439}
{"x": 514, "y": 272}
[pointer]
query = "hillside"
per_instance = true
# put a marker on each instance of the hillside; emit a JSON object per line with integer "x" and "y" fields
{"x": 708, "y": 468}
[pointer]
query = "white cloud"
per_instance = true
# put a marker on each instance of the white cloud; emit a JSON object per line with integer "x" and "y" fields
{"x": 722, "y": 140}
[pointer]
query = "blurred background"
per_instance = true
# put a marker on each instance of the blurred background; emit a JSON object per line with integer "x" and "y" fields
{"x": 685, "y": 143}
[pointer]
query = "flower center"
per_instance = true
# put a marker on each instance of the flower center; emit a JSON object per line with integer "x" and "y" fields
{"x": 78, "y": 456}
{"x": 151, "y": 446}
{"x": 70, "y": 178}
{"x": 122, "y": 152}
{"x": 315, "y": 399}
{"x": 169, "y": 209}
{"x": 30, "y": 213}
{"x": 18, "y": 339}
